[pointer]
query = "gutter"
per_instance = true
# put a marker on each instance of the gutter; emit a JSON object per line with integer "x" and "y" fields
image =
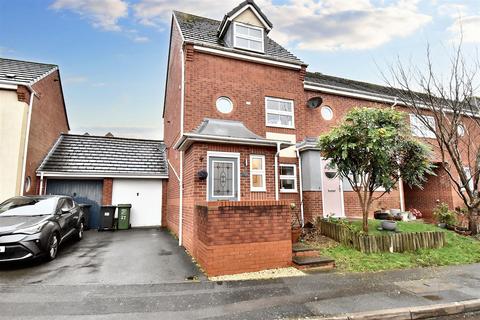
{"x": 181, "y": 143}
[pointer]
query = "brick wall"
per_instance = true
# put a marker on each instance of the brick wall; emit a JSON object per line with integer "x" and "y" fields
{"x": 172, "y": 120}
{"x": 107, "y": 191}
{"x": 436, "y": 189}
{"x": 242, "y": 237}
{"x": 48, "y": 120}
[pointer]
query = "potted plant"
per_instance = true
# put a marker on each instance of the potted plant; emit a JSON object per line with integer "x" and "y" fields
{"x": 296, "y": 224}
{"x": 444, "y": 216}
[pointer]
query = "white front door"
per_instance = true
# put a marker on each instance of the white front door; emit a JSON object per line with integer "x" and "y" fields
{"x": 145, "y": 196}
{"x": 223, "y": 178}
{"x": 332, "y": 191}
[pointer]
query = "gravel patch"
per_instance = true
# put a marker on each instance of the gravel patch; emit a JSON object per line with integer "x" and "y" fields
{"x": 264, "y": 274}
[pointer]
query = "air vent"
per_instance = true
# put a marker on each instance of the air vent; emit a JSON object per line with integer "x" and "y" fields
{"x": 10, "y": 75}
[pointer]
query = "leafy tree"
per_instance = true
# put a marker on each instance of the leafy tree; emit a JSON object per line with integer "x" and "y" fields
{"x": 373, "y": 149}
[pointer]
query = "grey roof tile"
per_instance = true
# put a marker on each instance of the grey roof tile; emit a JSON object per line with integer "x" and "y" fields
{"x": 109, "y": 156}
{"x": 204, "y": 31}
{"x": 24, "y": 72}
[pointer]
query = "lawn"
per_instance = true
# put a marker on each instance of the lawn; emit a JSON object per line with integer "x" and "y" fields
{"x": 402, "y": 226}
{"x": 458, "y": 250}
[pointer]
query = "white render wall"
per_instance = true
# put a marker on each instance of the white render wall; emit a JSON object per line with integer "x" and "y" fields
{"x": 13, "y": 127}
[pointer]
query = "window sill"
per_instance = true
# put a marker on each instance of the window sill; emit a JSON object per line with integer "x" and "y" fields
{"x": 288, "y": 191}
{"x": 279, "y": 126}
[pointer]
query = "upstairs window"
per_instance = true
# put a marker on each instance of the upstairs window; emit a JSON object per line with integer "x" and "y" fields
{"x": 279, "y": 113}
{"x": 419, "y": 129}
{"x": 248, "y": 37}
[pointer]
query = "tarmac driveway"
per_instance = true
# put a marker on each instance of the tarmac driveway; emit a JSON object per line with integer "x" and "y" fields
{"x": 141, "y": 256}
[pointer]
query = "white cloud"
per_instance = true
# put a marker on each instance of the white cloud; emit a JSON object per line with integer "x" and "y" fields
{"x": 309, "y": 24}
{"x": 452, "y": 9}
{"x": 102, "y": 14}
{"x": 469, "y": 26}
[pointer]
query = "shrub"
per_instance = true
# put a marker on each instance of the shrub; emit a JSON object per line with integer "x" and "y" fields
{"x": 444, "y": 215}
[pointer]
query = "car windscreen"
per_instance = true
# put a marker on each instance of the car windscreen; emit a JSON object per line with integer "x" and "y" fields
{"x": 28, "y": 206}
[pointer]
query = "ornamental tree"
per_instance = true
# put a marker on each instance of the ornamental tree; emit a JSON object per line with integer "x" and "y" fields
{"x": 373, "y": 150}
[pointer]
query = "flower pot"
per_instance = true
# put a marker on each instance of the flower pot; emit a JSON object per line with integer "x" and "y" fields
{"x": 389, "y": 225}
{"x": 296, "y": 233}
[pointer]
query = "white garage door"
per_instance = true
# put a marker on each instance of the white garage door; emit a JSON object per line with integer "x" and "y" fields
{"x": 145, "y": 196}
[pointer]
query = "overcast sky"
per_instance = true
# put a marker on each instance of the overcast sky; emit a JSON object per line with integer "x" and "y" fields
{"x": 113, "y": 53}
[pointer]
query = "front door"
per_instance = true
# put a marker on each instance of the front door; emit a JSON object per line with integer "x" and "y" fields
{"x": 223, "y": 179}
{"x": 332, "y": 192}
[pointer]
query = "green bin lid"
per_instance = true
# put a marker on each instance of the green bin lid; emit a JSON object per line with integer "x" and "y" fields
{"x": 124, "y": 205}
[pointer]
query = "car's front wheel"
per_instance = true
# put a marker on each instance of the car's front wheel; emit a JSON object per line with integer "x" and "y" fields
{"x": 80, "y": 230}
{"x": 52, "y": 248}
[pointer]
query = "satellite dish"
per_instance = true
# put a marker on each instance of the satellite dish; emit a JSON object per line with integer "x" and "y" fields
{"x": 314, "y": 102}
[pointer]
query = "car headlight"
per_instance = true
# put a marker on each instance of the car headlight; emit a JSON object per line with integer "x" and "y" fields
{"x": 33, "y": 229}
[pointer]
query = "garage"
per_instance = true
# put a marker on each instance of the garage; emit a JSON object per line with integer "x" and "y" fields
{"x": 87, "y": 192}
{"x": 145, "y": 196}
{"x": 107, "y": 170}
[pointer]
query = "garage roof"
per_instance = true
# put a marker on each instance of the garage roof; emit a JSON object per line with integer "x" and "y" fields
{"x": 24, "y": 72}
{"x": 101, "y": 156}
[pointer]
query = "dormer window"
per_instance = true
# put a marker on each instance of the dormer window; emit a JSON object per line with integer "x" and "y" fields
{"x": 248, "y": 37}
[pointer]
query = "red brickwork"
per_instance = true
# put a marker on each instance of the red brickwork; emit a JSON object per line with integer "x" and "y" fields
{"x": 107, "y": 191}
{"x": 208, "y": 77}
{"x": 436, "y": 190}
{"x": 248, "y": 236}
{"x": 48, "y": 120}
{"x": 172, "y": 128}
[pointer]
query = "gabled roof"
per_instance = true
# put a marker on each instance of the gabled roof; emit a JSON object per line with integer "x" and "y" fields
{"x": 204, "y": 31}
{"x": 225, "y": 131}
{"x": 249, "y": 4}
{"x": 82, "y": 155}
{"x": 24, "y": 72}
{"x": 353, "y": 86}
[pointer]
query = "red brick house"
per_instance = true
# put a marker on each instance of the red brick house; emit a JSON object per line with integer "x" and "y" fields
{"x": 32, "y": 116}
{"x": 242, "y": 115}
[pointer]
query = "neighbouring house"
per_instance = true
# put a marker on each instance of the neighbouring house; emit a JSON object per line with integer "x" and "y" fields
{"x": 242, "y": 116}
{"x": 106, "y": 170}
{"x": 32, "y": 115}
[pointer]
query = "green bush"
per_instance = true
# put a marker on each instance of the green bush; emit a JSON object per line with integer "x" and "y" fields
{"x": 444, "y": 215}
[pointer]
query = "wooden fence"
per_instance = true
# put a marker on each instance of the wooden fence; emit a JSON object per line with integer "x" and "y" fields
{"x": 391, "y": 242}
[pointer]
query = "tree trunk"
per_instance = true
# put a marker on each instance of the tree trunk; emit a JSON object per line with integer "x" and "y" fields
{"x": 365, "y": 209}
{"x": 473, "y": 221}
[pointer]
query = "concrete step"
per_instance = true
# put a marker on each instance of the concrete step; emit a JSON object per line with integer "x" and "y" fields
{"x": 303, "y": 250}
{"x": 317, "y": 263}
{"x": 300, "y": 247}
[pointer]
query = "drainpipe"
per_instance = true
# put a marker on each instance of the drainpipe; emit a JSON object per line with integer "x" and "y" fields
{"x": 402, "y": 196}
{"x": 301, "y": 186}
{"x": 394, "y": 103}
{"x": 182, "y": 106}
{"x": 276, "y": 171}
{"x": 40, "y": 192}
{"x": 400, "y": 181}
{"x": 27, "y": 134}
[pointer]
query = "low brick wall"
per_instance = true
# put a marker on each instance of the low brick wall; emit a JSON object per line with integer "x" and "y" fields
{"x": 243, "y": 236}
